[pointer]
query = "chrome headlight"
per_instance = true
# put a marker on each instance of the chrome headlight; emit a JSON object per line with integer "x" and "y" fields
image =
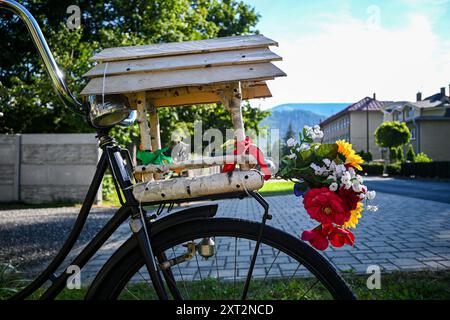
{"x": 108, "y": 110}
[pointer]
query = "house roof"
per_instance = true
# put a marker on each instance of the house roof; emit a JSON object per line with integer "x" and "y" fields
{"x": 364, "y": 104}
{"x": 433, "y": 101}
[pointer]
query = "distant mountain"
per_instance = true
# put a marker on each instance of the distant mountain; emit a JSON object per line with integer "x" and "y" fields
{"x": 300, "y": 114}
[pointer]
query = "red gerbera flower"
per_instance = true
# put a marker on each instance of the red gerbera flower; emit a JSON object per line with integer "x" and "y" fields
{"x": 317, "y": 237}
{"x": 338, "y": 237}
{"x": 326, "y": 206}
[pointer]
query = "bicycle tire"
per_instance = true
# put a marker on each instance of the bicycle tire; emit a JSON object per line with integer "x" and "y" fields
{"x": 127, "y": 260}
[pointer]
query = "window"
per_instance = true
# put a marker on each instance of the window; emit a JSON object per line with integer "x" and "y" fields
{"x": 409, "y": 113}
{"x": 413, "y": 134}
{"x": 396, "y": 116}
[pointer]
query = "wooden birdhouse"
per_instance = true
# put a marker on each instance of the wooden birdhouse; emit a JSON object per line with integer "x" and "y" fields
{"x": 226, "y": 70}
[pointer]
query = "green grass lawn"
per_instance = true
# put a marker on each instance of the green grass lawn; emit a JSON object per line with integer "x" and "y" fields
{"x": 424, "y": 285}
{"x": 277, "y": 187}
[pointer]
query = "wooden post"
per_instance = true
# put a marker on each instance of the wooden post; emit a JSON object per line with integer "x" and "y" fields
{"x": 154, "y": 127}
{"x": 232, "y": 98}
{"x": 154, "y": 131}
{"x": 144, "y": 129}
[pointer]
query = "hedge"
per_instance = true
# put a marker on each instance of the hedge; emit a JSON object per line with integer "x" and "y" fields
{"x": 394, "y": 169}
{"x": 436, "y": 169}
{"x": 373, "y": 169}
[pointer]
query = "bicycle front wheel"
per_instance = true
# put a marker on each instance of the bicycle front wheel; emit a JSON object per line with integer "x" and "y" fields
{"x": 286, "y": 267}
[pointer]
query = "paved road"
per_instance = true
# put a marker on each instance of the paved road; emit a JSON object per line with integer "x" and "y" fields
{"x": 413, "y": 188}
{"x": 405, "y": 234}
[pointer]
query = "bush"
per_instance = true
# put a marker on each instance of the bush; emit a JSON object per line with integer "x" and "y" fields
{"x": 393, "y": 155}
{"x": 367, "y": 156}
{"x": 411, "y": 155}
{"x": 422, "y": 157}
{"x": 108, "y": 188}
{"x": 394, "y": 169}
{"x": 373, "y": 169}
{"x": 400, "y": 154}
{"x": 438, "y": 169}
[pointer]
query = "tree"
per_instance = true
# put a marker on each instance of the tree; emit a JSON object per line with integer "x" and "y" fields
{"x": 367, "y": 156}
{"x": 27, "y": 98}
{"x": 392, "y": 134}
{"x": 410, "y": 155}
{"x": 289, "y": 134}
{"x": 400, "y": 154}
{"x": 393, "y": 155}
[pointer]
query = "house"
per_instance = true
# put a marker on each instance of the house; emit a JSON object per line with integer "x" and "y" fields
{"x": 429, "y": 122}
{"x": 356, "y": 124}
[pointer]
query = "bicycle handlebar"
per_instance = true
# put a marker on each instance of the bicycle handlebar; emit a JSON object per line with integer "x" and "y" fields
{"x": 52, "y": 68}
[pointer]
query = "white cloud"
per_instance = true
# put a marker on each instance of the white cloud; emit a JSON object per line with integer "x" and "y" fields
{"x": 345, "y": 60}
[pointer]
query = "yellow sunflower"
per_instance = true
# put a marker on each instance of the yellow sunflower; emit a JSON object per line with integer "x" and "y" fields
{"x": 351, "y": 158}
{"x": 354, "y": 217}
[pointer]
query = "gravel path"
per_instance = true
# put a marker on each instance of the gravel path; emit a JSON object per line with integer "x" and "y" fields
{"x": 29, "y": 238}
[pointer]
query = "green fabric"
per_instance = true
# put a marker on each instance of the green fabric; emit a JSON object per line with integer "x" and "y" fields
{"x": 157, "y": 157}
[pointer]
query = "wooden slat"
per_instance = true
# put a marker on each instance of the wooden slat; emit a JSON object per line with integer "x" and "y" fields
{"x": 190, "y": 97}
{"x": 201, "y": 60}
{"x": 172, "y": 79}
{"x": 177, "y": 48}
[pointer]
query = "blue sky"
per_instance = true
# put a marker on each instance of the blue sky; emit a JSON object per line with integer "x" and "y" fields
{"x": 342, "y": 51}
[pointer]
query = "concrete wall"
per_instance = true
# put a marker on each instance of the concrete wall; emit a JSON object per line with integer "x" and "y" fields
{"x": 53, "y": 167}
{"x": 434, "y": 139}
{"x": 9, "y": 167}
{"x": 358, "y": 131}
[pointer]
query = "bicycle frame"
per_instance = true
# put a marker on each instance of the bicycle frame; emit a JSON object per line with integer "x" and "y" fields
{"x": 117, "y": 160}
{"x": 111, "y": 158}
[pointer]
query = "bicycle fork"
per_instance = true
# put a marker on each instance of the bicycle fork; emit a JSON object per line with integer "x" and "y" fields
{"x": 138, "y": 226}
{"x": 138, "y": 221}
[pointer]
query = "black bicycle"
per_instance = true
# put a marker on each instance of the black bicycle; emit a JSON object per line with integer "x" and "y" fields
{"x": 184, "y": 254}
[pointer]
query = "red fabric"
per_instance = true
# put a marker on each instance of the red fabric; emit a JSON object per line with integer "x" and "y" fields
{"x": 325, "y": 206}
{"x": 247, "y": 147}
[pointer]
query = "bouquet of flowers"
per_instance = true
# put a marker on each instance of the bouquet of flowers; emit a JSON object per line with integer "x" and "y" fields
{"x": 325, "y": 175}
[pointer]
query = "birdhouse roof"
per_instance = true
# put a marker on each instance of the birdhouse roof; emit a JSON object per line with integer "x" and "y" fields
{"x": 190, "y": 72}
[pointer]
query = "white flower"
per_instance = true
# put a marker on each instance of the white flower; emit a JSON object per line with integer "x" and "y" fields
{"x": 371, "y": 195}
{"x": 346, "y": 180}
{"x": 359, "y": 178}
{"x": 334, "y": 186}
{"x": 291, "y": 142}
{"x": 316, "y": 147}
{"x": 372, "y": 208}
{"x": 304, "y": 146}
{"x": 292, "y": 156}
{"x": 327, "y": 162}
{"x": 356, "y": 186}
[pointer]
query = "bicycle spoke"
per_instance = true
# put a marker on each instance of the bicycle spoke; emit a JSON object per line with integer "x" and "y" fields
{"x": 217, "y": 268}
{"x": 293, "y": 275}
{"x": 235, "y": 267}
{"x": 129, "y": 291}
{"x": 271, "y": 265}
{"x": 149, "y": 284}
{"x": 307, "y": 291}
{"x": 181, "y": 275}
